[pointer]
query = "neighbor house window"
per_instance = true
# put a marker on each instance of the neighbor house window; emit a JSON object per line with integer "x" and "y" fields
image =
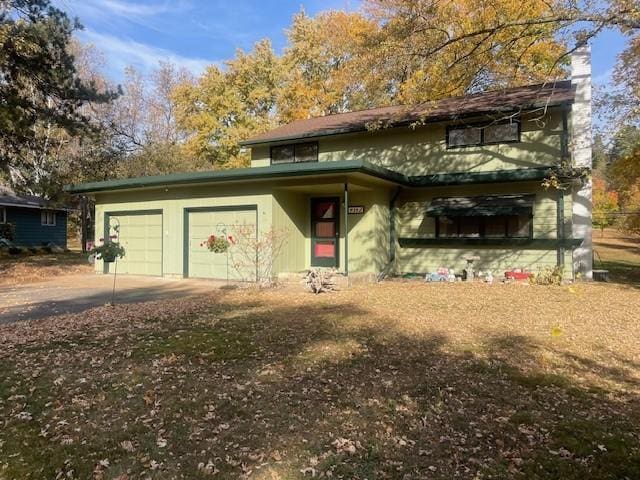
{"x": 294, "y": 153}
{"x": 470, "y": 135}
{"x": 48, "y": 218}
{"x": 3, "y": 215}
{"x": 498, "y": 226}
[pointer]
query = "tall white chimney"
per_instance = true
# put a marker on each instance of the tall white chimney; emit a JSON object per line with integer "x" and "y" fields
{"x": 581, "y": 157}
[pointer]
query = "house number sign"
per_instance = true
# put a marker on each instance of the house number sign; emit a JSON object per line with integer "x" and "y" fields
{"x": 355, "y": 209}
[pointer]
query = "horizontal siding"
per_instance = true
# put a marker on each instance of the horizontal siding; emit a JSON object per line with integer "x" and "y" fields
{"x": 414, "y": 223}
{"x": 173, "y": 202}
{"x": 497, "y": 260}
{"x": 423, "y": 150}
{"x": 29, "y": 231}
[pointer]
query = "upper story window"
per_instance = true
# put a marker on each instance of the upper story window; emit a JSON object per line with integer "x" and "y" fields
{"x": 472, "y": 135}
{"x": 3, "y": 215}
{"x": 294, "y": 153}
{"x": 48, "y": 218}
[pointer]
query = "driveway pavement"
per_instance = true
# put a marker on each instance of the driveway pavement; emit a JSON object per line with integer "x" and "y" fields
{"x": 76, "y": 293}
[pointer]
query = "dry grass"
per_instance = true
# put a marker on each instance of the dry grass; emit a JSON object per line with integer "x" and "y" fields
{"x": 30, "y": 268}
{"x": 618, "y": 253}
{"x": 399, "y": 380}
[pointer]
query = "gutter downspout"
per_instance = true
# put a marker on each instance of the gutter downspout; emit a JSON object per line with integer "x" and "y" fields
{"x": 346, "y": 229}
{"x": 560, "y": 233}
{"x": 392, "y": 228}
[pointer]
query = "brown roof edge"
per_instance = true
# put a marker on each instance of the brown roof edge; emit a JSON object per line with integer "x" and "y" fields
{"x": 527, "y": 97}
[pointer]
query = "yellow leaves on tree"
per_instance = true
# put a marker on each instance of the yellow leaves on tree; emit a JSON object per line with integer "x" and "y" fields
{"x": 605, "y": 203}
{"x": 328, "y": 66}
{"x": 438, "y": 49}
{"x": 225, "y": 106}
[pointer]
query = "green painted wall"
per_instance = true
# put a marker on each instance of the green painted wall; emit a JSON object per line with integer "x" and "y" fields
{"x": 291, "y": 215}
{"x": 173, "y": 202}
{"x": 423, "y": 150}
{"x": 278, "y": 206}
{"x": 368, "y": 233}
{"x": 412, "y": 222}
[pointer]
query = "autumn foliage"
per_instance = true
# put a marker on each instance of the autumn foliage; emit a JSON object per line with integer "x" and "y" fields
{"x": 605, "y": 203}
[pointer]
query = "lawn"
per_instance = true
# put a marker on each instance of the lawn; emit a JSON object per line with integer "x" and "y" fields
{"x": 618, "y": 253}
{"x": 29, "y": 268}
{"x": 400, "y": 380}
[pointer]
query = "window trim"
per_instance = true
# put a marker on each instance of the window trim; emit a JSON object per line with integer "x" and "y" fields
{"x": 3, "y": 215}
{"x": 482, "y": 228}
{"x": 294, "y": 153}
{"x": 482, "y": 126}
{"x": 43, "y": 218}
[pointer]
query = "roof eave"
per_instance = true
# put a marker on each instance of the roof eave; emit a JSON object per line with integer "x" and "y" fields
{"x": 246, "y": 174}
{"x": 401, "y": 124}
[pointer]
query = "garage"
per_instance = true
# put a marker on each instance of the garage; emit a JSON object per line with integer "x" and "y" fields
{"x": 219, "y": 221}
{"x": 140, "y": 233}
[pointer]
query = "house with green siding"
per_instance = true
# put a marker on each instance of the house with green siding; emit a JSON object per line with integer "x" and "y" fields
{"x": 383, "y": 191}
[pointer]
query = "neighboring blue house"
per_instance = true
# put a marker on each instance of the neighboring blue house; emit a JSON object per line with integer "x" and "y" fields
{"x": 35, "y": 221}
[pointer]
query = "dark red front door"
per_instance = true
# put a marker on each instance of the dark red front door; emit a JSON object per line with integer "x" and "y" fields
{"x": 324, "y": 232}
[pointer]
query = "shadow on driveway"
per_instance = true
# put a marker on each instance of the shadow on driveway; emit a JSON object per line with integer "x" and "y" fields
{"x": 76, "y": 293}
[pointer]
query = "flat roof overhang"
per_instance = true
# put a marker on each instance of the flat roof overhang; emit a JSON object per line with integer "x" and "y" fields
{"x": 319, "y": 170}
{"x": 255, "y": 174}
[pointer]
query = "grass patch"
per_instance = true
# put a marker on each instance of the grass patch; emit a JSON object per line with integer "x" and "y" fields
{"x": 212, "y": 344}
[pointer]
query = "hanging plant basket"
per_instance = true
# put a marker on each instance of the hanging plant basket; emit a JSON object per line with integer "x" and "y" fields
{"x": 110, "y": 258}
{"x": 108, "y": 251}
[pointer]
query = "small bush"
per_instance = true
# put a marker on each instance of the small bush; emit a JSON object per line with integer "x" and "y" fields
{"x": 548, "y": 276}
{"x": 7, "y": 231}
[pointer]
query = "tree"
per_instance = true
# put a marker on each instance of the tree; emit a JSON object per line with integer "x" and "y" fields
{"x": 226, "y": 106}
{"x": 631, "y": 221}
{"x": 605, "y": 204}
{"x": 328, "y": 67}
{"x": 429, "y": 49}
{"x": 41, "y": 94}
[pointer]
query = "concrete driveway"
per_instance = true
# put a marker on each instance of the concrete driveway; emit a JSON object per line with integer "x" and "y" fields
{"x": 76, "y": 293}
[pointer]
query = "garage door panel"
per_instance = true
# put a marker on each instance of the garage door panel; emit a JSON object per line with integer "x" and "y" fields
{"x": 141, "y": 236}
{"x": 206, "y": 264}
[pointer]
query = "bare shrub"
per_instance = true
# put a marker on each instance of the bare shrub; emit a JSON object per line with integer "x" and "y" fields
{"x": 253, "y": 257}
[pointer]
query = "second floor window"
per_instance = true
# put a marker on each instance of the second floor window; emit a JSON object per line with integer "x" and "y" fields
{"x": 294, "y": 153}
{"x": 3, "y": 215}
{"x": 471, "y": 135}
{"x": 48, "y": 218}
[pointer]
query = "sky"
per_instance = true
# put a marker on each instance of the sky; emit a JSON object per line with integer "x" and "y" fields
{"x": 197, "y": 33}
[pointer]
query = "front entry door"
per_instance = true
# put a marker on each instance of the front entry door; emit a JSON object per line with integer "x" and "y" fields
{"x": 325, "y": 237}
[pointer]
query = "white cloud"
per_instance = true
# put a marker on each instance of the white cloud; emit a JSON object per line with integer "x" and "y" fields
{"x": 121, "y": 52}
{"x": 129, "y": 9}
{"x": 120, "y": 13}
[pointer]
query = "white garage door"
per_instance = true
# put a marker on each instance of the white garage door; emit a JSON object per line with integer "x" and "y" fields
{"x": 236, "y": 263}
{"x": 141, "y": 236}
